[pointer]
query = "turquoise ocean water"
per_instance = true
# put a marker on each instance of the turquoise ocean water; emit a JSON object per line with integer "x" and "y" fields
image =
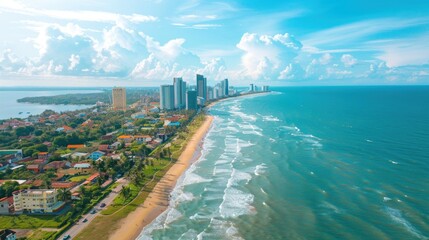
{"x": 308, "y": 163}
{"x": 10, "y": 108}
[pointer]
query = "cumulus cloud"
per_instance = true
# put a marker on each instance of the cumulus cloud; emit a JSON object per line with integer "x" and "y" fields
{"x": 348, "y": 60}
{"x": 265, "y": 56}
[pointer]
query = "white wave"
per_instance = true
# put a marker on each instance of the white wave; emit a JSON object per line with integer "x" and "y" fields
{"x": 262, "y": 190}
{"x": 235, "y": 203}
{"x": 260, "y": 169}
{"x": 270, "y": 118}
{"x": 291, "y": 128}
{"x": 253, "y": 133}
{"x": 172, "y": 215}
{"x": 220, "y": 229}
{"x": 385, "y": 199}
{"x": 244, "y": 116}
{"x": 397, "y": 217}
{"x": 368, "y": 140}
{"x": 193, "y": 178}
{"x": 272, "y": 140}
{"x": 331, "y": 207}
{"x": 393, "y": 162}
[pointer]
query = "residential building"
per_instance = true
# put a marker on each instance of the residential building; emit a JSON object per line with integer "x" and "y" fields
{"x": 43, "y": 155}
{"x": 166, "y": 97}
{"x": 75, "y": 146}
{"x": 179, "y": 93}
{"x": 36, "y": 168}
{"x": 201, "y": 86}
{"x": 125, "y": 138}
{"x": 13, "y": 155}
{"x": 225, "y": 87}
{"x": 7, "y": 234}
{"x": 57, "y": 165}
{"x": 63, "y": 185}
{"x": 36, "y": 201}
{"x": 92, "y": 178}
{"x": 252, "y": 88}
{"x": 119, "y": 99}
{"x": 265, "y": 88}
{"x": 191, "y": 100}
{"x": 6, "y": 205}
{"x": 142, "y": 138}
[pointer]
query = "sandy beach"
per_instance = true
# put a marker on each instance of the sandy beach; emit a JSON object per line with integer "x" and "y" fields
{"x": 157, "y": 201}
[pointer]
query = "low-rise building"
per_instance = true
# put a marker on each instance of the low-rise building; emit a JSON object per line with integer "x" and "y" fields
{"x": 7, "y": 234}
{"x": 36, "y": 168}
{"x": 6, "y": 205}
{"x": 75, "y": 146}
{"x": 36, "y": 201}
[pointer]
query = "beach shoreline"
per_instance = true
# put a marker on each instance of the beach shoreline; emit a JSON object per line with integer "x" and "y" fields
{"x": 158, "y": 200}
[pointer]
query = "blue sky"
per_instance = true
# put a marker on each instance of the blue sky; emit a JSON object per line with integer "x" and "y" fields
{"x": 147, "y": 43}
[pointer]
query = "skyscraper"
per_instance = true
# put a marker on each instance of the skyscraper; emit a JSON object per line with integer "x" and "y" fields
{"x": 201, "y": 86}
{"x": 119, "y": 98}
{"x": 166, "y": 97}
{"x": 251, "y": 88}
{"x": 179, "y": 93}
{"x": 191, "y": 100}
{"x": 225, "y": 87}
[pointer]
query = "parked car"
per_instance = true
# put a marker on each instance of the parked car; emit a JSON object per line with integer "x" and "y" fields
{"x": 93, "y": 211}
{"x": 85, "y": 220}
{"x": 66, "y": 237}
{"x": 102, "y": 205}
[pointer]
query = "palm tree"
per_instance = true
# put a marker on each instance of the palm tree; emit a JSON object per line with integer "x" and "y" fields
{"x": 64, "y": 195}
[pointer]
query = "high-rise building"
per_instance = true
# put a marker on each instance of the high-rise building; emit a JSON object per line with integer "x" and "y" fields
{"x": 191, "y": 100}
{"x": 119, "y": 99}
{"x": 265, "y": 88}
{"x": 210, "y": 95}
{"x": 179, "y": 93}
{"x": 201, "y": 86}
{"x": 166, "y": 97}
{"x": 251, "y": 88}
{"x": 225, "y": 86}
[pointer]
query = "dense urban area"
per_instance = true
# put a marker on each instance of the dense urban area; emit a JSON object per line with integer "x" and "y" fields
{"x": 57, "y": 168}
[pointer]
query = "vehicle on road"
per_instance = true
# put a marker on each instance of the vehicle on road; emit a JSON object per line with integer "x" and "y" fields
{"x": 85, "y": 220}
{"x": 93, "y": 211}
{"x": 102, "y": 205}
{"x": 66, "y": 237}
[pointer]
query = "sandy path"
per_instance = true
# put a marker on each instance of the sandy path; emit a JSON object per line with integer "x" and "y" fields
{"x": 157, "y": 201}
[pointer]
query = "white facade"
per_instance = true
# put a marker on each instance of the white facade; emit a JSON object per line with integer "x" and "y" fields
{"x": 36, "y": 201}
{"x": 179, "y": 93}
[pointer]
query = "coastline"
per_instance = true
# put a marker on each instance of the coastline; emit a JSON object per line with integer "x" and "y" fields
{"x": 158, "y": 200}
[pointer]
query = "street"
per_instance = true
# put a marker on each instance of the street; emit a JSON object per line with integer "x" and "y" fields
{"x": 80, "y": 225}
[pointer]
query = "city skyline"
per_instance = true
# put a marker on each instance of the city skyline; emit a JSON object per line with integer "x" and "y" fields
{"x": 272, "y": 43}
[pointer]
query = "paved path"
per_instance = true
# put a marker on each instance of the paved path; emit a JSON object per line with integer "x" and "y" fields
{"x": 80, "y": 225}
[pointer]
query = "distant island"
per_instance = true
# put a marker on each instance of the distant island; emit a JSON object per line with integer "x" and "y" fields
{"x": 133, "y": 95}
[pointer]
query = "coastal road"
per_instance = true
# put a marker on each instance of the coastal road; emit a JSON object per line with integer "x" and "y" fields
{"x": 80, "y": 225}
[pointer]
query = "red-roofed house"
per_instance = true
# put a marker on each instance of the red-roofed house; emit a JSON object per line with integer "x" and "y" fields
{"x": 43, "y": 155}
{"x": 126, "y": 138}
{"x": 75, "y": 146}
{"x": 6, "y": 205}
{"x": 36, "y": 168}
{"x": 57, "y": 165}
{"x": 104, "y": 148}
{"x": 64, "y": 185}
{"x": 92, "y": 178}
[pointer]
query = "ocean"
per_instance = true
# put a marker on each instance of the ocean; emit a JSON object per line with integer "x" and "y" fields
{"x": 10, "y": 108}
{"x": 308, "y": 163}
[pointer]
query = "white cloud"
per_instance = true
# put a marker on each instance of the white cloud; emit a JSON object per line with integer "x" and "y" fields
{"x": 91, "y": 16}
{"x": 348, "y": 60}
{"x": 265, "y": 56}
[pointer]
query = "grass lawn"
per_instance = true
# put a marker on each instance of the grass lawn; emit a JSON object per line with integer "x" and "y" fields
{"x": 103, "y": 225}
{"x": 40, "y": 235}
{"x": 31, "y": 222}
{"x": 79, "y": 178}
